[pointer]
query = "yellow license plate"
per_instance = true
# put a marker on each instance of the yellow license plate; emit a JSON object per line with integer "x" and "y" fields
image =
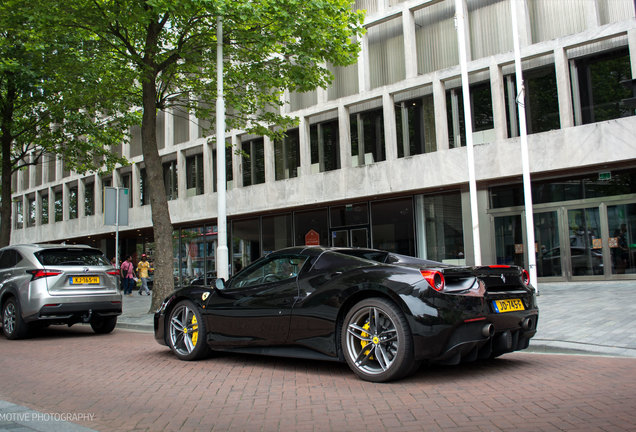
{"x": 509, "y": 305}
{"x": 84, "y": 280}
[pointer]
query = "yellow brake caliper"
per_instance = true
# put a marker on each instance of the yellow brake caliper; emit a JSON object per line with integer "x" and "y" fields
{"x": 195, "y": 330}
{"x": 367, "y": 326}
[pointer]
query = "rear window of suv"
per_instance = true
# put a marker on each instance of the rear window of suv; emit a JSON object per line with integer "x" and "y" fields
{"x": 60, "y": 257}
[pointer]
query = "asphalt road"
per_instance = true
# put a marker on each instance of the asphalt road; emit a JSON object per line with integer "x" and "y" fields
{"x": 125, "y": 381}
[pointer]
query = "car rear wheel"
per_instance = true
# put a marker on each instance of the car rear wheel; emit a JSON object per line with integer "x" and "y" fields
{"x": 13, "y": 326}
{"x": 377, "y": 342}
{"x": 103, "y": 325}
{"x": 186, "y": 332}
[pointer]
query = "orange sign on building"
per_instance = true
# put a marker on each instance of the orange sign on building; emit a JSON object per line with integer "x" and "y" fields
{"x": 312, "y": 238}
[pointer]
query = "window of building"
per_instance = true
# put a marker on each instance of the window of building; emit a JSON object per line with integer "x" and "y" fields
{"x": 72, "y": 202}
{"x": 482, "y": 117}
{"x": 349, "y": 215}
{"x": 170, "y": 180}
{"x": 308, "y": 222}
{"x": 436, "y": 37}
{"x": 489, "y": 33}
{"x": 30, "y": 219}
{"x": 277, "y": 232}
{"x": 193, "y": 250}
{"x": 392, "y": 225}
{"x": 600, "y": 90}
{"x": 246, "y": 243}
{"x": 19, "y": 213}
{"x": 181, "y": 124}
{"x": 58, "y": 202}
{"x": 253, "y": 158}
{"x": 325, "y": 147}
{"x": 89, "y": 198}
{"x": 107, "y": 181}
{"x": 367, "y": 137}
{"x": 345, "y": 82}
{"x": 386, "y": 53}
{"x": 135, "y": 141}
{"x": 566, "y": 189}
{"x": 552, "y": 19}
{"x": 415, "y": 124}
{"x": 541, "y": 101}
{"x": 126, "y": 182}
{"x": 287, "y": 155}
{"x": 440, "y": 234}
{"x": 194, "y": 175}
{"x": 51, "y": 162}
{"x": 44, "y": 216}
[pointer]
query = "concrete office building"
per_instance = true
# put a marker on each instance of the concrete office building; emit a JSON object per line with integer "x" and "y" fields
{"x": 379, "y": 159}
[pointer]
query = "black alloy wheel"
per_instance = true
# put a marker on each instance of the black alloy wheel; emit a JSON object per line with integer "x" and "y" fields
{"x": 186, "y": 332}
{"x": 376, "y": 341}
{"x": 13, "y": 326}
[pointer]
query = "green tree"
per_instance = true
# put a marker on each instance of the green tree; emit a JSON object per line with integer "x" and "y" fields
{"x": 43, "y": 108}
{"x": 166, "y": 56}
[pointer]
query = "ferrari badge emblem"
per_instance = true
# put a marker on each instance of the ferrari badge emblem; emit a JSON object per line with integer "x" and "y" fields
{"x": 204, "y": 296}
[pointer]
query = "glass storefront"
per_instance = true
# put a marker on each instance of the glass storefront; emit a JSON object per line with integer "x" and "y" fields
{"x": 584, "y": 226}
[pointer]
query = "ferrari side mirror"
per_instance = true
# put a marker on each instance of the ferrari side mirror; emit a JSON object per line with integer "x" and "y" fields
{"x": 220, "y": 284}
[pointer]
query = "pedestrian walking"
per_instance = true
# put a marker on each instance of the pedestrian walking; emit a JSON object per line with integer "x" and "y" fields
{"x": 127, "y": 271}
{"x": 143, "y": 266}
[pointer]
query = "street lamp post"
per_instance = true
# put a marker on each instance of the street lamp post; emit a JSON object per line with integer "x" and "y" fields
{"x": 222, "y": 270}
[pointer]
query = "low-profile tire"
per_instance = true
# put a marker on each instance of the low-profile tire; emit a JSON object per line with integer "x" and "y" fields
{"x": 377, "y": 342}
{"x": 186, "y": 332}
{"x": 103, "y": 325}
{"x": 13, "y": 326}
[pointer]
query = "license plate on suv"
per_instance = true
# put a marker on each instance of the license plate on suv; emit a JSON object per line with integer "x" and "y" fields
{"x": 508, "y": 305}
{"x": 84, "y": 280}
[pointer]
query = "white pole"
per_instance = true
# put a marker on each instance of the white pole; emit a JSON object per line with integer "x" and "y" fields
{"x": 472, "y": 182}
{"x": 117, "y": 228}
{"x": 222, "y": 267}
{"x": 525, "y": 159}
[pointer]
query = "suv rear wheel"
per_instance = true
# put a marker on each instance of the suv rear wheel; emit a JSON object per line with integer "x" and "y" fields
{"x": 103, "y": 325}
{"x": 13, "y": 326}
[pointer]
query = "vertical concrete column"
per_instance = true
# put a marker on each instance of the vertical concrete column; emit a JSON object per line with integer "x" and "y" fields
{"x": 464, "y": 11}
{"x": 305, "y": 147}
{"x": 51, "y": 210}
{"x": 125, "y": 146}
{"x": 523, "y": 24}
{"x": 135, "y": 185}
{"x": 322, "y": 95}
{"x": 59, "y": 169}
{"x": 592, "y": 14}
{"x": 390, "y": 132}
{"x": 208, "y": 167}
{"x": 237, "y": 162}
{"x": 45, "y": 168}
{"x": 498, "y": 100}
{"x": 562, "y": 70}
{"x": 193, "y": 131}
{"x": 181, "y": 174}
{"x": 344, "y": 127}
{"x": 270, "y": 163}
{"x": 32, "y": 171}
{"x": 38, "y": 208}
{"x": 410, "y": 44}
{"x": 81, "y": 192}
{"x": 168, "y": 119}
{"x": 363, "y": 65}
{"x": 99, "y": 189}
{"x": 65, "y": 203}
{"x": 439, "y": 104}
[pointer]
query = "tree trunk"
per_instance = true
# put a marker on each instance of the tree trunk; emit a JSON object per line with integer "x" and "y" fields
{"x": 6, "y": 119}
{"x": 163, "y": 261}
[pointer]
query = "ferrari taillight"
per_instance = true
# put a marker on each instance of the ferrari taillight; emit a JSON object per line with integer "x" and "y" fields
{"x": 41, "y": 273}
{"x": 525, "y": 277}
{"x": 434, "y": 278}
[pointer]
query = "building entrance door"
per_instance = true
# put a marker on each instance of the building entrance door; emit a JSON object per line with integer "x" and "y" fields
{"x": 585, "y": 254}
{"x": 350, "y": 237}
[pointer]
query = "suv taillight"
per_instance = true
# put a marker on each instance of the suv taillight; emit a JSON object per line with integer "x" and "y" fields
{"x": 525, "y": 277}
{"x": 41, "y": 273}
{"x": 113, "y": 272}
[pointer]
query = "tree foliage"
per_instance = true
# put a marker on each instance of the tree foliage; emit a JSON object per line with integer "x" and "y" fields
{"x": 164, "y": 53}
{"x": 44, "y": 106}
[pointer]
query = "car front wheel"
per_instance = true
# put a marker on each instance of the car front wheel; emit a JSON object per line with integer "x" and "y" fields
{"x": 13, "y": 326}
{"x": 186, "y": 332}
{"x": 376, "y": 341}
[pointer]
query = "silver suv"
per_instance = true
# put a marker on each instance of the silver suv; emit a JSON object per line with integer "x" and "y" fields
{"x": 57, "y": 284}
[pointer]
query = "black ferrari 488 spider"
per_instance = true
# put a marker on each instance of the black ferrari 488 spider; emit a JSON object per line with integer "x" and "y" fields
{"x": 382, "y": 313}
